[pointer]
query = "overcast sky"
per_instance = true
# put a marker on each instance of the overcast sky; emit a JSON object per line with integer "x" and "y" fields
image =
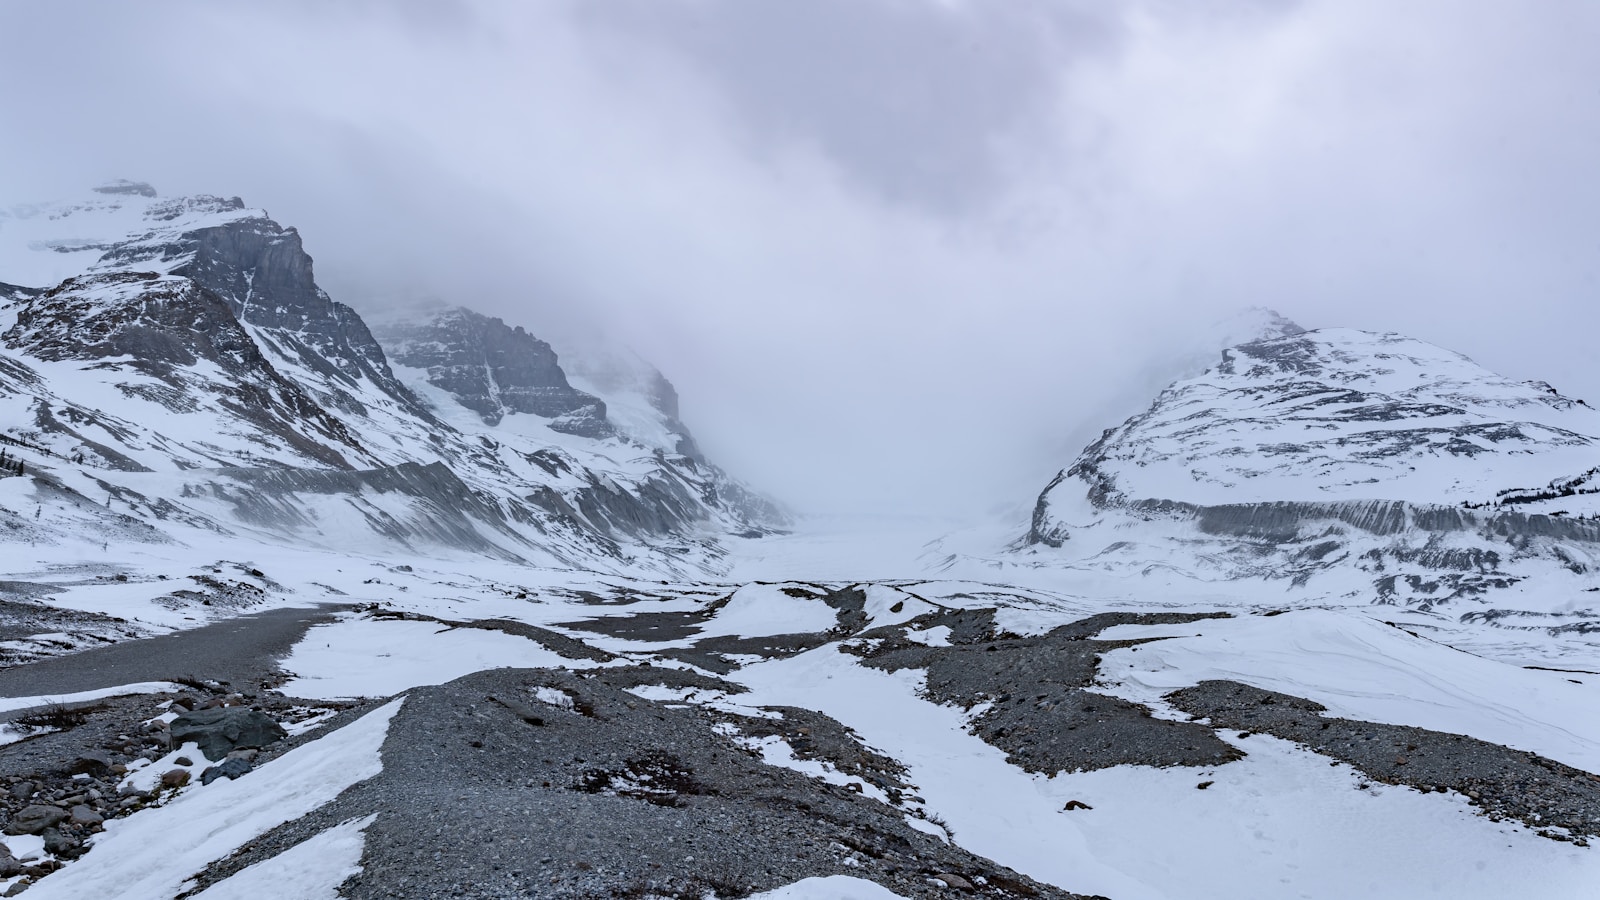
{"x": 903, "y": 255}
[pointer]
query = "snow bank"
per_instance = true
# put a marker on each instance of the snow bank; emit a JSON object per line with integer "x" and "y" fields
{"x": 1361, "y": 668}
{"x": 151, "y": 854}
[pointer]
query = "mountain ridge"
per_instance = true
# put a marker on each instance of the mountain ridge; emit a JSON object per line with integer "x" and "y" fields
{"x": 229, "y": 369}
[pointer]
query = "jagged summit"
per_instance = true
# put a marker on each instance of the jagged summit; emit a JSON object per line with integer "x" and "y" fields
{"x": 186, "y": 339}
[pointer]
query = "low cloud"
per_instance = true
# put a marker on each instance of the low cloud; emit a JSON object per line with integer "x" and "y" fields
{"x": 897, "y": 255}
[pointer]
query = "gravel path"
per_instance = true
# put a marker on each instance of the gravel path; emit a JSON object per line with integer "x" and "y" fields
{"x": 240, "y": 650}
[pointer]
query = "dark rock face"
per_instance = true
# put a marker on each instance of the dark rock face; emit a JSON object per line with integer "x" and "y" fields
{"x": 262, "y": 272}
{"x": 223, "y": 729}
{"x": 494, "y": 369}
{"x": 165, "y": 325}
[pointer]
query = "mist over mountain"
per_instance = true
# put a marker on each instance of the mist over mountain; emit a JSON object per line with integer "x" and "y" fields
{"x": 854, "y": 449}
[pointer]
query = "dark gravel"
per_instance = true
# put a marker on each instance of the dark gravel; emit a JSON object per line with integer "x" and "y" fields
{"x": 620, "y": 797}
{"x": 814, "y": 736}
{"x": 240, "y": 650}
{"x": 1502, "y": 782}
{"x": 1041, "y": 714}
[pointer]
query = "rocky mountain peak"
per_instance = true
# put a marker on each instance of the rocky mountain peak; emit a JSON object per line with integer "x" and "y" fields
{"x": 493, "y": 369}
{"x": 1341, "y": 413}
{"x": 192, "y": 350}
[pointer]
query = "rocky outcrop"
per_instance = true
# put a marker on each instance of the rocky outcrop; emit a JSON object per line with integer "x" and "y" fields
{"x": 164, "y": 326}
{"x": 495, "y": 370}
{"x": 261, "y": 270}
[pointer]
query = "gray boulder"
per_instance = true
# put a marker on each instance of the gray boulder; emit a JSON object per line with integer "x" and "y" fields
{"x": 230, "y": 768}
{"x": 35, "y": 819}
{"x": 223, "y": 729}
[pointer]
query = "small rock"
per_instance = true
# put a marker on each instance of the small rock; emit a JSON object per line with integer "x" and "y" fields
{"x": 955, "y": 881}
{"x": 9, "y": 865}
{"x": 34, "y": 819}
{"x": 246, "y": 755}
{"x": 1075, "y": 804}
{"x": 183, "y": 761}
{"x": 229, "y": 768}
{"x": 175, "y": 778}
{"x": 118, "y": 769}
{"x": 1205, "y": 784}
{"x": 61, "y": 844}
{"x": 84, "y": 815}
{"x": 23, "y": 790}
{"x": 92, "y": 762}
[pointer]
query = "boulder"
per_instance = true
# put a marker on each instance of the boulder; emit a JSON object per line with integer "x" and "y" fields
{"x": 223, "y": 729}
{"x": 83, "y": 814}
{"x": 35, "y": 819}
{"x": 61, "y": 844}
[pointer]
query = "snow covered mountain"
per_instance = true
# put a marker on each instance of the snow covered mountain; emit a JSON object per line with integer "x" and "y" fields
{"x": 175, "y": 360}
{"x": 1347, "y": 464}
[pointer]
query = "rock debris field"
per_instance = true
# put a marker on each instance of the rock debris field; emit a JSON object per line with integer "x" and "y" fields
{"x": 648, "y": 752}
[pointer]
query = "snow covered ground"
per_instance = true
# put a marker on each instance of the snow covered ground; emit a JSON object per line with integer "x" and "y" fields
{"x": 1282, "y": 822}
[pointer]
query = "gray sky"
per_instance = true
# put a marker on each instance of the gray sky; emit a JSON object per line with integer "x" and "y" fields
{"x": 896, "y": 254}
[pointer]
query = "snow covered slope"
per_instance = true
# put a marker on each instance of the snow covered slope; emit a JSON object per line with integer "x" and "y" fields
{"x": 1348, "y": 466}
{"x": 1343, "y": 414}
{"x": 176, "y": 355}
